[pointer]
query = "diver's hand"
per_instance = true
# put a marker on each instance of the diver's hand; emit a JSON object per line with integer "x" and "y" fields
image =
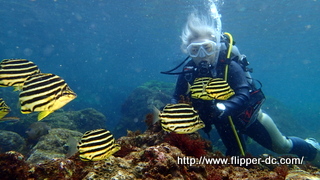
{"x": 221, "y": 110}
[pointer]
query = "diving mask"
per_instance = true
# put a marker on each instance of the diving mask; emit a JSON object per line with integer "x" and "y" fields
{"x": 202, "y": 49}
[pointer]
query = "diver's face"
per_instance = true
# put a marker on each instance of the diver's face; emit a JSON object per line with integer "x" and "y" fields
{"x": 202, "y": 50}
{"x": 210, "y": 59}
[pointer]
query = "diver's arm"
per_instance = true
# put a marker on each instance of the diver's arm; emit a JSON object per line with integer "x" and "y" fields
{"x": 238, "y": 82}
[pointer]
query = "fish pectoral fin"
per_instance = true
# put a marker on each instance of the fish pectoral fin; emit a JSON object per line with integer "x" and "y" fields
{"x": 43, "y": 114}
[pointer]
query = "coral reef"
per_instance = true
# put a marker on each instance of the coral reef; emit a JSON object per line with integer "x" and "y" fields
{"x": 147, "y": 156}
{"x": 14, "y": 166}
{"x": 187, "y": 144}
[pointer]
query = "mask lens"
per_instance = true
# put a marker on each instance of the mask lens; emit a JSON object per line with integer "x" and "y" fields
{"x": 207, "y": 47}
{"x": 194, "y": 50}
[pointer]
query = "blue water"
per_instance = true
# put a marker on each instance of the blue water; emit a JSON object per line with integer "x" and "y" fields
{"x": 105, "y": 49}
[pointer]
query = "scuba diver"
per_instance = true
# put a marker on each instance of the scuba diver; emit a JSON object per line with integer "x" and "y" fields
{"x": 219, "y": 86}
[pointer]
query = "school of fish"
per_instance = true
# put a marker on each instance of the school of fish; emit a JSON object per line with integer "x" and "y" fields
{"x": 46, "y": 92}
{"x": 39, "y": 92}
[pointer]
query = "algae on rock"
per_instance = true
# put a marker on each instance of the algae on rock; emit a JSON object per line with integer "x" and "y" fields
{"x": 53, "y": 145}
{"x": 82, "y": 120}
{"x": 11, "y": 141}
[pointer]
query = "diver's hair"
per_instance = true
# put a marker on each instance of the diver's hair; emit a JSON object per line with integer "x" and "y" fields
{"x": 198, "y": 26}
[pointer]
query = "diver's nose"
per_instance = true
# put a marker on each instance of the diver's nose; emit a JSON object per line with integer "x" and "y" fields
{"x": 202, "y": 53}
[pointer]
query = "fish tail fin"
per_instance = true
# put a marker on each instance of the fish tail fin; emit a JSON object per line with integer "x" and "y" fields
{"x": 156, "y": 113}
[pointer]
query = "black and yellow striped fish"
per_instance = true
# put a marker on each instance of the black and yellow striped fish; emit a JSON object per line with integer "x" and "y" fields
{"x": 180, "y": 118}
{"x": 97, "y": 145}
{"x": 46, "y": 93}
{"x": 13, "y": 72}
{"x": 198, "y": 89}
{"x": 219, "y": 89}
{"x": 4, "y": 108}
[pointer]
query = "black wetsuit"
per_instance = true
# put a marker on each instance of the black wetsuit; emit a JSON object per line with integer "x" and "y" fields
{"x": 206, "y": 108}
{"x": 234, "y": 106}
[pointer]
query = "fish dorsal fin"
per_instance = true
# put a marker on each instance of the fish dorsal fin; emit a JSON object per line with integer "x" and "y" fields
{"x": 43, "y": 114}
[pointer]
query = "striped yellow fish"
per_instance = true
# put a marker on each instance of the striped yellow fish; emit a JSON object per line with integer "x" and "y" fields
{"x": 179, "y": 118}
{"x": 4, "y": 108}
{"x": 14, "y": 72}
{"x": 97, "y": 145}
{"x": 46, "y": 93}
{"x": 198, "y": 89}
{"x": 219, "y": 89}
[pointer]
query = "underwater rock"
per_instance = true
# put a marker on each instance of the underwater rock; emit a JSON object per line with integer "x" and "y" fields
{"x": 141, "y": 102}
{"x": 301, "y": 174}
{"x": 53, "y": 145}
{"x": 111, "y": 168}
{"x": 14, "y": 167}
{"x": 88, "y": 119}
{"x": 36, "y": 130}
{"x": 11, "y": 141}
{"x": 82, "y": 121}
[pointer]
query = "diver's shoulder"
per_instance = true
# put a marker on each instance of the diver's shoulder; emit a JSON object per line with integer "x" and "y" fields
{"x": 235, "y": 67}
